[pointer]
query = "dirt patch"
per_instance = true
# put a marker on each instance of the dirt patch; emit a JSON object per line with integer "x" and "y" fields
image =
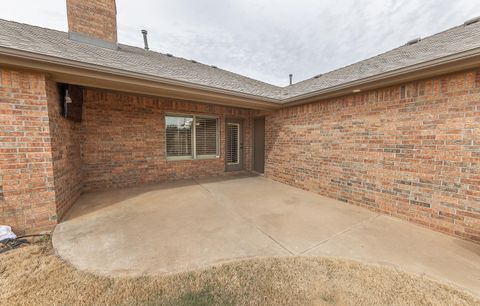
{"x": 34, "y": 275}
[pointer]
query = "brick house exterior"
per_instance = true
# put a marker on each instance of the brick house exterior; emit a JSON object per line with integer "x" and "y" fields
{"x": 413, "y": 155}
{"x": 50, "y": 161}
{"x": 114, "y": 156}
{"x": 27, "y": 177}
{"x": 409, "y": 147}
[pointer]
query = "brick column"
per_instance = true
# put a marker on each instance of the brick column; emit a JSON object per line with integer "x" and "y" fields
{"x": 27, "y": 198}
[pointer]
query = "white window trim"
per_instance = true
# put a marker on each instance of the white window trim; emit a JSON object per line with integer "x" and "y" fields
{"x": 194, "y": 138}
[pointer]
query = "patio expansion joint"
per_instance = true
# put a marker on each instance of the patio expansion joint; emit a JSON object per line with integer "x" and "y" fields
{"x": 370, "y": 219}
{"x": 245, "y": 219}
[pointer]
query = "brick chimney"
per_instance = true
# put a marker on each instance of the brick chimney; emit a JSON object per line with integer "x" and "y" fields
{"x": 93, "y": 22}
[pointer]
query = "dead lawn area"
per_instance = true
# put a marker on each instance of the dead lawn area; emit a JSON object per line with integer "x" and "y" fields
{"x": 34, "y": 275}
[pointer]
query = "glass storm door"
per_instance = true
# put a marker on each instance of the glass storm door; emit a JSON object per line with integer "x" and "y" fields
{"x": 233, "y": 146}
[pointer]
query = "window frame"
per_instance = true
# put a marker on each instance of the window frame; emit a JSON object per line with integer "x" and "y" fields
{"x": 194, "y": 156}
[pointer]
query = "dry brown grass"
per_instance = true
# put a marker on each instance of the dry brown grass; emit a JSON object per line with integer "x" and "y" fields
{"x": 33, "y": 275}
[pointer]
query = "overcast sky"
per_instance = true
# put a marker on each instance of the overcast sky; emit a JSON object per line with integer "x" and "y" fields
{"x": 267, "y": 39}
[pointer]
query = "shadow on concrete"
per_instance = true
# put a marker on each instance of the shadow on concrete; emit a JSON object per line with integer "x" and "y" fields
{"x": 92, "y": 202}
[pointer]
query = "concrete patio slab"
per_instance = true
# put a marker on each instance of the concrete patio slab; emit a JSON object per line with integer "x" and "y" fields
{"x": 191, "y": 224}
{"x": 296, "y": 219}
{"x": 389, "y": 241}
{"x": 154, "y": 230}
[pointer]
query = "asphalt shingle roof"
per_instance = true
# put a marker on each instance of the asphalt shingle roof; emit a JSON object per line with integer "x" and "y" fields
{"x": 455, "y": 40}
{"x": 55, "y": 43}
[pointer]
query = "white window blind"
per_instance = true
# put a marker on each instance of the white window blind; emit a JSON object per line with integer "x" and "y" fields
{"x": 206, "y": 136}
{"x": 179, "y": 136}
{"x": 189, "y": 137}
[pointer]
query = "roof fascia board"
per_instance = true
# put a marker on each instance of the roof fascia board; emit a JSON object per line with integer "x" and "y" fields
{"x": 143, "y": 88}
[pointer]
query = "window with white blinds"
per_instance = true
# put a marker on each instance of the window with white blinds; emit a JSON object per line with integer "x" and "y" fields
{"x": 191, "y": 137}
{"x": 179, "y": 136}
{"x": 206, "y": 136}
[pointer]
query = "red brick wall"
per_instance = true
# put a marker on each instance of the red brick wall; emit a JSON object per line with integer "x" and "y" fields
{"x": 46, "y": 161}
{"x": 93, "y": 18}
{"x": 409, "y": 151}
{"x": 27, "y": 201}
{"x": 65, "y": 140}
{"x": 123, "y": 142}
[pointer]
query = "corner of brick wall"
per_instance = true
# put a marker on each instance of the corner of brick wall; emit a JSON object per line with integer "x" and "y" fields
{"x": 27, "y": 202}
{"x": 410, "y": 151}
{"x": 65, "y": 143}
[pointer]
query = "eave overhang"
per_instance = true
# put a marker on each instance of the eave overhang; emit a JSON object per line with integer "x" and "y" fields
{"x": 95, "y": 76}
